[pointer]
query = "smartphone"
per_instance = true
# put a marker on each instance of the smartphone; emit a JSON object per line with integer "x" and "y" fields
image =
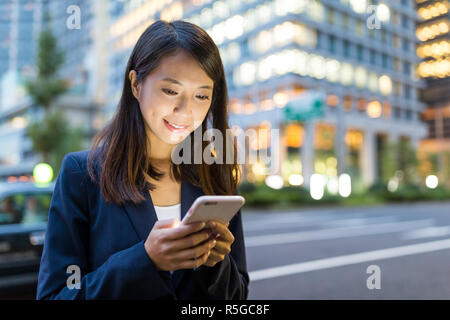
{"x": 219, "y": 208}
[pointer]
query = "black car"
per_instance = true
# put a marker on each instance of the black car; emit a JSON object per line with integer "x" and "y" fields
{"x": 23, "y": 219}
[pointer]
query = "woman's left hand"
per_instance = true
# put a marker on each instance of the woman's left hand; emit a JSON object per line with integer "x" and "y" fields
{"x": 224, "y": 239}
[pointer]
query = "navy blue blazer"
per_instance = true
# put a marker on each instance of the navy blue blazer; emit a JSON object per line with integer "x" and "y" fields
{"x": 106, "y": 242}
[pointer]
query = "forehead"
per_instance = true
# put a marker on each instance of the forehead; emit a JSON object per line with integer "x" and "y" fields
{"x": 182, "y": 67}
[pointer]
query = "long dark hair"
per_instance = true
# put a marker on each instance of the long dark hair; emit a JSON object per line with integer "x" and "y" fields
{"x": 122, "y": 148}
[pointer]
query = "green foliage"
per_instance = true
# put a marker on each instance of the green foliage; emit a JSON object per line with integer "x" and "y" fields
{"x": 53, "y": 137}
{"x": 261, "y": 196}
{"x": 46, "y": 86}
{"x": 44, "y": 91}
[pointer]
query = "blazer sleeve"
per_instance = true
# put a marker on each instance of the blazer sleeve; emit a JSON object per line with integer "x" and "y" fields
{"x": 127, "y": 274}
{"x": 228, "y": 279}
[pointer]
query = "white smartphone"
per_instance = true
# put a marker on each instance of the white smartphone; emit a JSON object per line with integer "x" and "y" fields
{"x": 219, "y": 208}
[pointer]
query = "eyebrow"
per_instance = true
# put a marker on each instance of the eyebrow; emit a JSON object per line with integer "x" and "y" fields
{"x": 178, "y": 82}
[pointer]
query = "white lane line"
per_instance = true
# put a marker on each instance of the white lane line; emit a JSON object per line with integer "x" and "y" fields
{"x": 361, "y": 221}
{"x": 348, "y": 259}
{"x": 273, "y": 223}
{"x": 430, "y": 232}
{"x": 352, "y": 231}
{"x": 325, "y": 221}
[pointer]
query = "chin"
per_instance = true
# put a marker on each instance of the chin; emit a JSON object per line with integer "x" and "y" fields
{"x": 173, "y": 139}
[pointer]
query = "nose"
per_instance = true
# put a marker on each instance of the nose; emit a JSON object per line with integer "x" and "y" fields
{"x": 184, "y": 106}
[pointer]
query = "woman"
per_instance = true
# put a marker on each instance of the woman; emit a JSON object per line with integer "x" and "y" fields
{"x": 113, "y": 230}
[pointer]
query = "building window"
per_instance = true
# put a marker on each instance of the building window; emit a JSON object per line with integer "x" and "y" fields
{"x": 347, "y": 103}
{"x": 405, "y": 44}
{"x": 346, "y": 48}
{"x": 384, "y": 61}
{"x": 408, "y": 114}
{"x": 361, "y": 105}
{"x": 331, "y": 17}
{"x": 359, "y": 53}
{"x": 372, "y": 57}
{"x": 345, "y": 21}
{"x": 407, "y": 91}
{"x": 331, "y": 43}
{"x": 383, "y": 36}
{"x": 407, "y": 67}
{"x": 397, "y": 89}
{"x": 396, "y": 64}
{"x": 397, "y": 113}
{"x": 319, "y": 41}
{"x": 359, "y": 27}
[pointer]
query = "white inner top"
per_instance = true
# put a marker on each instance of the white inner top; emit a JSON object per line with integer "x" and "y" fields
{"x": 168, "y": 212}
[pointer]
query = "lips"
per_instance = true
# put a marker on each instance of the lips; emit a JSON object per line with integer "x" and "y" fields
{"x": 175, "y": 127}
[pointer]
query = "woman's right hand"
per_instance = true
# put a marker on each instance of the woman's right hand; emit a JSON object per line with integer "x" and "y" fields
{"x": 185, "y": 246}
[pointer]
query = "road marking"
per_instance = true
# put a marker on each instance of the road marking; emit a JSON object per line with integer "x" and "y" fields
{"x": 351, "y": 231}
{"x": 348, "y": 259}
{"x": 308, "y": 221}
{"x": 430, "y": 232}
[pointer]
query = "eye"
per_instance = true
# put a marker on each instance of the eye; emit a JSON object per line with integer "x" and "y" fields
{"x": 203, "y": 97}
{"x": 169, "y": 92}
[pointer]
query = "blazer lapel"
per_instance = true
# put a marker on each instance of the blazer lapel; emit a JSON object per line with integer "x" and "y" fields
{"x": 143, "y": 215}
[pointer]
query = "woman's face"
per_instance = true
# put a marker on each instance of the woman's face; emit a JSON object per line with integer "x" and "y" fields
{"x": 175, "y": 98}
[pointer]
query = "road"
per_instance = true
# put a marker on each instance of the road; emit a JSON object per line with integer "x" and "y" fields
{"x": 325, "y": 253}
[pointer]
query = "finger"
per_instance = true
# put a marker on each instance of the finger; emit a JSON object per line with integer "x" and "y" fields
{"x": 167, "y": 223}
{"x": 195, "y": 252}
{"x": 222, "y": 247}
{"x": 189, "y": 241}
{"x": 215, "y": 256}
{"x": 183, "y": 230}
{"x": 191, "y": 263}
{"x": 225, "y": 234}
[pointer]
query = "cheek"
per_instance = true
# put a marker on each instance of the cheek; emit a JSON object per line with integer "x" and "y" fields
{"x": 153, "y": 109}
{"x": 199, "y": 115}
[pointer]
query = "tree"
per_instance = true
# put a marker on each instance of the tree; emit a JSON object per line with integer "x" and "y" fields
{"x": 51, "y": 136}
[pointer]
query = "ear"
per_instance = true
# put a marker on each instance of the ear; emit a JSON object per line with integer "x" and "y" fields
{"x": 135, "y": 86}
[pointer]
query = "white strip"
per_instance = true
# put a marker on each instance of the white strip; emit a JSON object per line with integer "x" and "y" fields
{"x": 335, "y": 233}
{"x": 348, "y": 259}
{"x": 426, "y": 233}
{"x": 322, "y": 220}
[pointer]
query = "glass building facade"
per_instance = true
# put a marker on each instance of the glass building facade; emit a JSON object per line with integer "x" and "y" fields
{"x": 359, "y": 55}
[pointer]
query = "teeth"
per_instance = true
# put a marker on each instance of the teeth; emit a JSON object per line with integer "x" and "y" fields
{"x": 174, "y": 125}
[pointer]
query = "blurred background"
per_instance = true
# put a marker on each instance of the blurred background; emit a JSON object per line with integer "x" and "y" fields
{"x": 357, "y": 89}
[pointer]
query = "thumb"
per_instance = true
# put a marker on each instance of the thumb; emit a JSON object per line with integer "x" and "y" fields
{"x": 168, "y": 223}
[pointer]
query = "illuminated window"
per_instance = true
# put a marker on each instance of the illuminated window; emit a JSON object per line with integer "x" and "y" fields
{"x": 347, "y": 104}
{"x": 354, "y": 139}
{"x": 346, "y": 74}
{"x": 332, "y": 100}
{"x": 374, "y": 109}
{"x": 360, "y": 77}
{"x": 361, "y": 105}
{"x": 293, "y": 135}
{"x": 324, "y": 137}
{"x": 385, "y": 84}
{"x": 386, "y": 110}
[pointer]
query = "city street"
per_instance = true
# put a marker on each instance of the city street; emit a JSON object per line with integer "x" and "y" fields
{"x": 324, "y": 253}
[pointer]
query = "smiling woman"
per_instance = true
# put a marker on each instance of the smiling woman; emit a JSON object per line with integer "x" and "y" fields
{"x": 116, "y": 210}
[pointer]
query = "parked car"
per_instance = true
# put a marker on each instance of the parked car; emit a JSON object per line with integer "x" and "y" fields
{"x": 24, "y": 210}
